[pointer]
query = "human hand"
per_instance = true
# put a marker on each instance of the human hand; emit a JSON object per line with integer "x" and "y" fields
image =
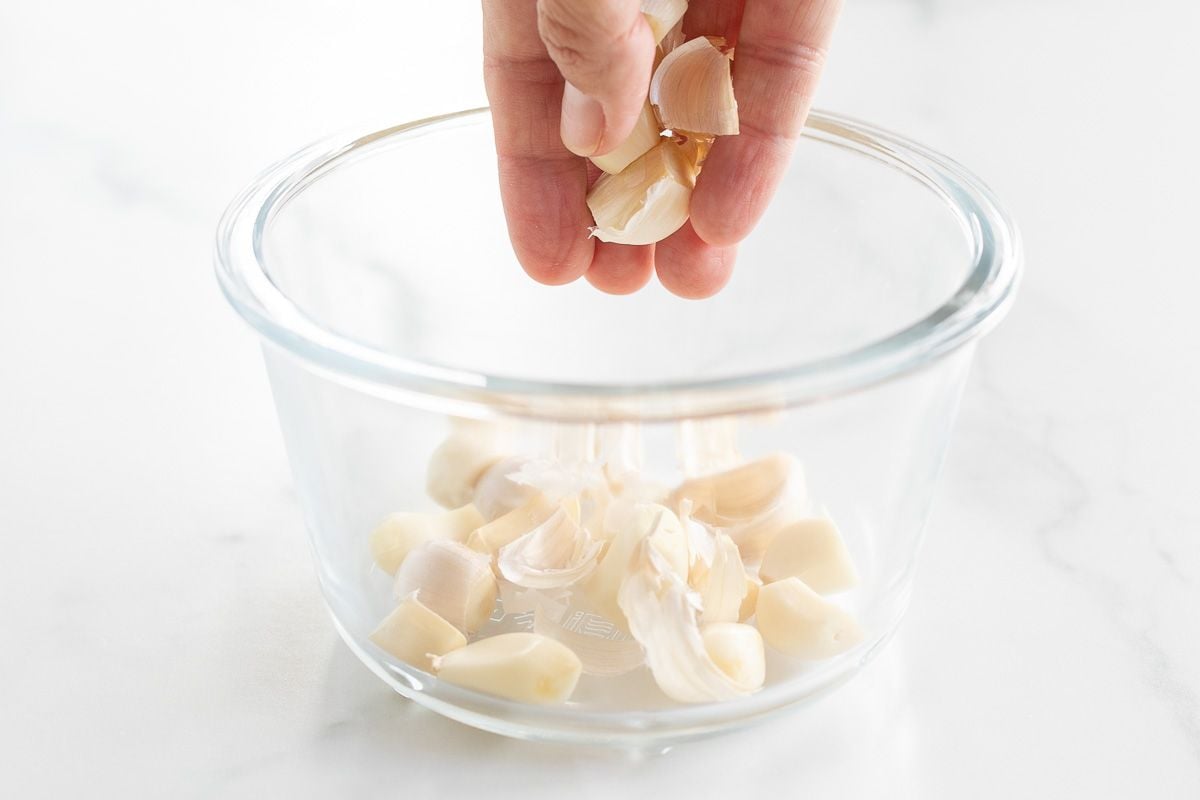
{"x": 567, "y": 79}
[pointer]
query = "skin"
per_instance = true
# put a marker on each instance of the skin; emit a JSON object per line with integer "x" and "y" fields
{"x": 567, "y": 78}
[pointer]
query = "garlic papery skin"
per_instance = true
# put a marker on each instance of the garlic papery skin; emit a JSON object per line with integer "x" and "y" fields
{"x": 813, "y": 551}
{"x": 663, "y": 15}
{"x": 457, "y": 465}
{"x": 753, "y": 585}
{"x": 737, "y": 650}
{"x": 646, "y": 134}
{"x": 628, "y": 524}
{"x": 401, "y": 533}
{"x": 692, "y": 89}
{"x": 720, "y": 580}
{"x": 557, "y": 553}
{"x": 414, "y": 634}
{"x": 798, "y": 622}
{"x": 451, "y": 580}
{"x": 662, "y": 613}
{"x": 491, "y": 537}
{"x": 648, "y": 200}
{"x": 527, "y": 667}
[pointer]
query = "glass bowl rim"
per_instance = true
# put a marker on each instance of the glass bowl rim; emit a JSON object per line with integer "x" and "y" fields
{"x": 978, "y": 304}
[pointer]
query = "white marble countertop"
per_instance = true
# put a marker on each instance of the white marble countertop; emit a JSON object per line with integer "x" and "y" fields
{"x": 163, "y": 634}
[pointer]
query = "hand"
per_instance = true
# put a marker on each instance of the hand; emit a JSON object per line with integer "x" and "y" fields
{"x": 567, "y": 79}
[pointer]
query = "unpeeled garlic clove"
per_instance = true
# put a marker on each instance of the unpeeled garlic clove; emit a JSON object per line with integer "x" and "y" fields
{"x": 457, "y": 465}
{"x": 450, "y": 579}
{"x": 692, "y": 89}
{"x": 737, "y": 650}
{"x": 414, "y": 634}
{"x": 648, "y": 200}
{"x": 797, "y": 621}
{"x": 401, "y": 533}
{"x": 496, "y": 493}
{"x": 645, "y": 135}
{"x": 527, "y": 667}
{"x": 557, "y": 553}
{"x": 663, "y": 15}
{"x": 813, "y": 551}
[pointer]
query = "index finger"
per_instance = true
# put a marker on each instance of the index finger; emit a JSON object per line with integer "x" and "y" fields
{"x": 542, "y": 183}
{"x": 780, "y": 52}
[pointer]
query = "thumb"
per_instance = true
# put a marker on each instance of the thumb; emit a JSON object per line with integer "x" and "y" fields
{"x": 605, "y": 50}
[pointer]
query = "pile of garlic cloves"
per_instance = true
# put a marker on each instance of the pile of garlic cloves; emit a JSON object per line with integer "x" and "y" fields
{"x": 615, "y": 571}
{"x": 646, "y": 191}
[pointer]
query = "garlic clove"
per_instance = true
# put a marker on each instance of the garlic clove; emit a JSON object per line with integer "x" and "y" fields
{"x": 753, "y": 585}
{"x": 399, "y": 534}
{"x": 662, "y": 613}
{"x": 527, "y": 667}
{"x": 498, "y": 492}
{"x": 414, "y": 634}
{"x": 813, "y": 551}
{"x": 457, "y": 464}
{"x": 737, "y": 650}
{"x": 603, "y": 648}
{"x": 797, "y": 621}
{"x": 692, "y": 89}
{"x": 663, "y": 15}
{"x": 646, "y": 134}
{"x": 452, "y": 581}
{"x": 743, "y": 493}
{"x": 670, "y": 40}
{"x": 628, "y": 525}
{"x": 489, "y": 538}
{"x": 557, "y": 553}
{"x": 754, "y": 536}
{"x": 648, "y": 200}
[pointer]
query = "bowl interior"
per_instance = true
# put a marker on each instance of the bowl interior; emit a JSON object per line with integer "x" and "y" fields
{"x": 849, "y": 253}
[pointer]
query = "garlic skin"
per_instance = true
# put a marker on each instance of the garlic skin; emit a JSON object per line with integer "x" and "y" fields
{"x": 737, "y": 650}
{"x": 692, "y": 89}
{"x": 662, "y": 613}
{"x": 555, "y": 554}
{"x": 813, "y": 551}
{"x": 401, "y": 533}
{"x": 414, "y": 634}
{"x": 646, "y": 134}
{"x": 798, "y": 622}
{"x": 457, "y": 464}
{"x": 753, "y": 585}
{"x": 451, "y": 580}
{"x": 648, "y": 200}
{"x": 628, "y": 525}
{"x": 491, "y": 537}
{"x": 662, "y": 15}
{"x": 526, "y": 667}
{"x": 717, "y": 574}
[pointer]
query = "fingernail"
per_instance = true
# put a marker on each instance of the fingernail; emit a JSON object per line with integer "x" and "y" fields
{"x": 582, "y": 122}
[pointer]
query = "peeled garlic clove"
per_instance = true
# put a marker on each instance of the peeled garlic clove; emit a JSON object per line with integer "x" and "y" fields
{"x": 662, "y": 613}
{"x": 602, "y": 647}
{"x": 737, "y": 650}
{"x": 754, "y": 536}
{"x": 663, "y": 15}
{"x": 414, "y": 634}
{"x": 556, "y": 553}
{"x": 692, "y": 89}
{"x": 742, "y": 493}
{"x": 451, "y": 580}
{"x": 457, "y": 464}
{"x": 399, "y": 534}
{"x": 813, "y": 551}
{"x": 645, "y": 135}
{"x": 647, "y": 201}
{"x": 797, "y": 621}
{"x": 629, "y": 524}
{"x": 753, "y": 585}
{"x": 509, "y": 527}
{"x": 497, "y": 492}
{"x": 527, "y": 667}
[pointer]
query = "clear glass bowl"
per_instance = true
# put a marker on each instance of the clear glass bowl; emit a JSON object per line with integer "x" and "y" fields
{"x": 377, "y": 270}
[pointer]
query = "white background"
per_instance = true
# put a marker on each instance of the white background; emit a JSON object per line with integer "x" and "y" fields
{"x": 161, "y": 633}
